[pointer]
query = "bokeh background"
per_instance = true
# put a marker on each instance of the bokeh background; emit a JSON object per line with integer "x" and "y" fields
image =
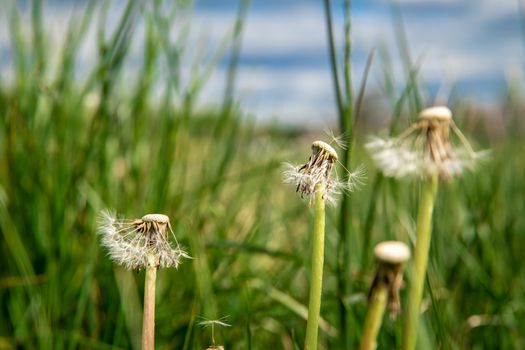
{"x": 190, "y": 109}
{"x": 469, "y": 49}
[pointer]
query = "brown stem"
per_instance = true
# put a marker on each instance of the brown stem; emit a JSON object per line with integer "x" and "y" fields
{"x": 148, "y": 323}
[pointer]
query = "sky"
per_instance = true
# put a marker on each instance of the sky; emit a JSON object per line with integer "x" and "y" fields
{"x": 284, "y": 74}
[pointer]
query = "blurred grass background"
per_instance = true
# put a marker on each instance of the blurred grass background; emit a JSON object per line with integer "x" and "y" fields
{"x": 70, "y": 147}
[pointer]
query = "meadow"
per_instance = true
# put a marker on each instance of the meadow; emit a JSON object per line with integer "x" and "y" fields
{"x": 70, "y": 148}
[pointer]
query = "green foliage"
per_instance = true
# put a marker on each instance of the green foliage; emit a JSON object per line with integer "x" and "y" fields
{"x": 70, "y": 147}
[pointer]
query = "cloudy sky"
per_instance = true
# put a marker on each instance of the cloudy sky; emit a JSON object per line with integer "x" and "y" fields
{"x": 476, "y": 46}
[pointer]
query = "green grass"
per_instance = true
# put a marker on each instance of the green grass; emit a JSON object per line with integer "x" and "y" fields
{"x": 63, "y": 159}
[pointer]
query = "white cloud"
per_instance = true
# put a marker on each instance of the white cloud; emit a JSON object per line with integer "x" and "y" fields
{"x": 453, "y": 46}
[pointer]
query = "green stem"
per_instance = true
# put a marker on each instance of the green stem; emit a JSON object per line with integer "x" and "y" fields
{"x": 203, "y": 277}
{"x": 333, "y": 62}
{"x": 317, "y": 259}
{"x": 148, "y": 323}
{"x": 370, "y": 220}
{"x": 419, "y": 266}
{"x": 213, "y": 334}
{"x": 374, "y": 317}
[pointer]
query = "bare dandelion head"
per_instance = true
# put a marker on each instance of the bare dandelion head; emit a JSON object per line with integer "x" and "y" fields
{"x": 160, "y": 219}
{"x": 442, "y": 113}
{"x": 318, "y": 170}
{"x": 390, "y": 256}
{"x": 325, "y": 151}
{"x": 392, "y": 252}
{"x": 137, "y": 244}
{"x": 425, "y": 148}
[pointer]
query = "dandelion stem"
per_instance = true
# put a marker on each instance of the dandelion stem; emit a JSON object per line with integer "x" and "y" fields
{"x": 213, "y": 334}
{"x": 419, "y": 266}
{"x": 317, "y": 259}
{"x": 374, "y": 317}
{"x": 148, "y": 323}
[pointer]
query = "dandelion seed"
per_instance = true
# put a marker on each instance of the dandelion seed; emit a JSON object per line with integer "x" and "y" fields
{"x": 212, "y": 323}
{"x": 340, "y": 140}
{"x": 137, "y": 244}
{"x": 425, "y": 149}
{"x": 356, "y": 179}
{"x": 318, "y": 169}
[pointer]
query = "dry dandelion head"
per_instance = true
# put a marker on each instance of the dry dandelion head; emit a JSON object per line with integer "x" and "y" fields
{"x": 392, "y": 252}
{"x": 390, "y": 256}
{"x": 137, "y": 244}
{"x": 318, "y": 170}
{"x": 425, "y": 149}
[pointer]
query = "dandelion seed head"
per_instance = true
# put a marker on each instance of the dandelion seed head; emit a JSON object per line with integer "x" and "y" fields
{"x": 391, "y": 255}
{"x": 136, "y": 244}
{"x": 318, "y": 170}
{"x": 425, "y": 149}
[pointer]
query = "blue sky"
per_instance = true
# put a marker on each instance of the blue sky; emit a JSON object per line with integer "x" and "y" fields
{"x": 283, "y": 74}
{"x": 475, "y": 46}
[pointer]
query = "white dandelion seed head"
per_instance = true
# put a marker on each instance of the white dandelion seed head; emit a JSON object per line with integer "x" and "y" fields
{"x": 137, "y": 244}
{"x": 317, "y": 170}
{"x": 425, "y": 149}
